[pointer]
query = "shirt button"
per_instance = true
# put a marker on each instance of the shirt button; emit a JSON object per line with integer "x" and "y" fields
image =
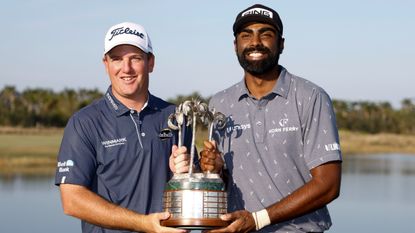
{"x": 131, "y": 111}
{"x": 143, "y": 134}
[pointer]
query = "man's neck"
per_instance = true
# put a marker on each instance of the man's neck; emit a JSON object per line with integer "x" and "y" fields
{"x": 136, "y": 103}
{"x": 261, "y": 85}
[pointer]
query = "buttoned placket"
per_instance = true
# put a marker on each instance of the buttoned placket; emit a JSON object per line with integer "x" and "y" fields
{"x": 258, "y": 119}
{"x": 137, "y": 127}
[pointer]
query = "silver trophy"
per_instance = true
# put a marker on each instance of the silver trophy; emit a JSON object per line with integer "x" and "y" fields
{"x": 195, "y": 200}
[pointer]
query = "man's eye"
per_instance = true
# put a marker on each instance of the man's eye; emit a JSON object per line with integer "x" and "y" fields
{"x": 245, "y": 35}
{"x": 136, "y": 59}
{"x": 267, "y": 34}
{"x": 116, "y": 59}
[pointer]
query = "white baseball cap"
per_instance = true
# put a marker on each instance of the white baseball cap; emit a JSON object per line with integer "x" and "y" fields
{"x": 127, "y": 33}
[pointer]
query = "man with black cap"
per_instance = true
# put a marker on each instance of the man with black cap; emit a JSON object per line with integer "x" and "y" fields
{"x": 114, "y": 159}
{"x": 281, "y": 145}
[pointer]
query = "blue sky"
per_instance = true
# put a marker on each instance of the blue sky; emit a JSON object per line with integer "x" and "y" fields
{"x": 355, "y": 50}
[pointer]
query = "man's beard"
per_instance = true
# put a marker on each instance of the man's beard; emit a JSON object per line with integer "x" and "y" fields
{"x": 258, "y": 67}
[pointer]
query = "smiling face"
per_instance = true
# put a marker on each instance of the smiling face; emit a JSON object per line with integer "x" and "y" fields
{"x": 128, "y": 68}
{"x": 258, "y": 47}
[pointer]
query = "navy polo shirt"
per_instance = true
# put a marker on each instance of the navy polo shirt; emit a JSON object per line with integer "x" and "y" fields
{"x": 271, "y": 144}
{"x": 118, "y": 153}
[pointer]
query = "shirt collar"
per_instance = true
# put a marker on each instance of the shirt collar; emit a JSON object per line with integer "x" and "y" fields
{"x": 120, "y": 109}
{"x": 283, "y": 84}
{"x": 281, "y": 89}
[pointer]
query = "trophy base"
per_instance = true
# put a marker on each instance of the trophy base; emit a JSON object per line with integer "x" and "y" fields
{"x": 195, "y": 201}
{"x": 195, "y": 223}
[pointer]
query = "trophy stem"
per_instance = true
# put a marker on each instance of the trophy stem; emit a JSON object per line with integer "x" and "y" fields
{"x": 192, "y": 149}
{"x": 179, "y": 143}
{"x": 211, "y": 131}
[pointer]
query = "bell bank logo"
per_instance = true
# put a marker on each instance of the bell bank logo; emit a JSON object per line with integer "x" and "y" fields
{"x": 65, "y": 165}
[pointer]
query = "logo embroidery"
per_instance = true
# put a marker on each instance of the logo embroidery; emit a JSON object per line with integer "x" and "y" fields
{"x": 332, "y": 147}
{"x": 121, "y": 30}
{"x": 114, "y": 142}
{"x": 65, "y": 165}
{"x": 114, "y": 105}
{"x": 165, "y": 134}
{"x": 238, "y": 128}
{"x": 258, "y": 11}
{"x": 283, "y": 122}
{"x": 283, "y": 129}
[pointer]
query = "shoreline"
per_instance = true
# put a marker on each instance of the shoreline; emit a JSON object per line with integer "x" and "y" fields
{"x": 33, "y": 151}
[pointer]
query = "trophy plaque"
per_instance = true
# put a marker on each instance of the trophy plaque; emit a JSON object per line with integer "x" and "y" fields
{"x": 195, "y": 200}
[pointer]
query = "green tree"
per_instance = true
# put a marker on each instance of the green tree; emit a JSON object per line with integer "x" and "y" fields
{"x": 181, "y": 98}
{"x": 8, "y": 100}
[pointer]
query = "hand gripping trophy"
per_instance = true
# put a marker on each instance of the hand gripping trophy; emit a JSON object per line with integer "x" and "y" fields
{"x": 195, "y": 200}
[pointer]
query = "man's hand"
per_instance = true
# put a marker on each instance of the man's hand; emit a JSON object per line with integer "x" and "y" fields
{"x": 179, "y": 160}
{"x": 152, "y": 223}
{"x": 80, "y": 202}
{"x": 210, "y": 158}
{"x": 241, "y": 221}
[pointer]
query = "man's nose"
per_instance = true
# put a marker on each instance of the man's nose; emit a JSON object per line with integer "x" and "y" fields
{"x": 126, "y": 66}
{"x": 256, "y": 40}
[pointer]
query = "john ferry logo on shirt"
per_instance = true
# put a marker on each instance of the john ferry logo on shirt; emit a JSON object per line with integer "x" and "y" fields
{"x": 284, "y": 127}
{"x": 114, "y": 142}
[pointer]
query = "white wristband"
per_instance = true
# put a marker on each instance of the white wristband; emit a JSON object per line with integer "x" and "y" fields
{"x": 261, "y": 219}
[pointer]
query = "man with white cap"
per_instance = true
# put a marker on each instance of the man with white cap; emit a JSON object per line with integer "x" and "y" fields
{"x": 114, "y": 158}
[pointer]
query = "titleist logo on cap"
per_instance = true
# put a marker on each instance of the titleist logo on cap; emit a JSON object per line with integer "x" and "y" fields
{"x": 121, "y": 30}
{"x": 258, "y": 11}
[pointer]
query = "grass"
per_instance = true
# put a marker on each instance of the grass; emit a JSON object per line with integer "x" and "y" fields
{"x": 13, "y": 145}
{"x": 363, "y": 143}
{"x": 28, "y": 151}
{"x": 34, "y": 151}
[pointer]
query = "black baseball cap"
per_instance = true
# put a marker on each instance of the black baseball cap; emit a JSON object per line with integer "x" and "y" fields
{"x": 257, "y": 13}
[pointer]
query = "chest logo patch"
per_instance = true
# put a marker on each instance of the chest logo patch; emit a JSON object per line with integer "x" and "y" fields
{"x": 283, "y": 122}
{"x": 165, "y": 134}
{"x": 114, "y": 142}
{"x": 238, "y": 128}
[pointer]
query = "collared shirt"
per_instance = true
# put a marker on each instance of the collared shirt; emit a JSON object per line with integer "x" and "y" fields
{"x": 118, "y": 153}
{"x": 271, "y": 144}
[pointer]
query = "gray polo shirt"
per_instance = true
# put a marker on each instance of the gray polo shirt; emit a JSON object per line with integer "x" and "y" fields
{"x": 270, "y": 145}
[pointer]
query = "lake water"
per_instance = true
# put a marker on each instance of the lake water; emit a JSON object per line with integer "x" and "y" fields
{"x": 378, "y": 195}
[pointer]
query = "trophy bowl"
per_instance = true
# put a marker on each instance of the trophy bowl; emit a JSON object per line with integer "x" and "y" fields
{"x": 195, "y": 201}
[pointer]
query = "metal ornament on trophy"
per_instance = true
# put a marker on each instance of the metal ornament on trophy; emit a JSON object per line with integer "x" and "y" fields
{"x": 195, "y": 200}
